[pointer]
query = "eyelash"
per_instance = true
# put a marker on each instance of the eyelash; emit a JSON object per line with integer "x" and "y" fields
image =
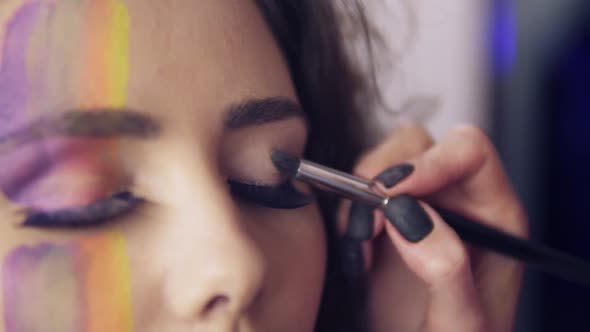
{"x": 282, "y": 196}
{"x": 93, "y": 214}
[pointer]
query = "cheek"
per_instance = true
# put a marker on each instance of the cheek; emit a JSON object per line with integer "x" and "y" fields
{"x": 81, "y": 286}
{"x": 46, "y": 274}
{"x": 297, "y": 268}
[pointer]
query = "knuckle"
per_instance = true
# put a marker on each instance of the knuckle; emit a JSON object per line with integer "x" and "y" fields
{"x": 368, "y": 167}
{"x": 472, "y": 135}
{"x": 453, "y": 262}
{"x": 512, "y": 211}
{"x": 471, "y": 322}
{"x": 521, "y": 223}
{"x": 476, "y": 322}
{"x": 403, "y": 143}
{"x": 470, "y": 143}
{"x": 415, "y": 137}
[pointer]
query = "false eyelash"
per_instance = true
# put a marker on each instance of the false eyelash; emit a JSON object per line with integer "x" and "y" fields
{"x": 86, "y": 216}
{"x": 282, "y": 196}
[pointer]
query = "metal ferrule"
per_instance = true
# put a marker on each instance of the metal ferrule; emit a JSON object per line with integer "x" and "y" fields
{"x": 339, "y": 182}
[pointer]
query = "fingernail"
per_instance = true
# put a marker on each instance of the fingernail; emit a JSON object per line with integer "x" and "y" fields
{"x": 391, "y": 176}
{"x": 360, "y": 221}
{"x": 351, "y": 257}
{"x": 408, "y": 217}
{"x": 360, "y": 218}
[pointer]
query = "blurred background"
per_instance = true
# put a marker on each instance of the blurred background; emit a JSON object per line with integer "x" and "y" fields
{"x": 521, "y": 70}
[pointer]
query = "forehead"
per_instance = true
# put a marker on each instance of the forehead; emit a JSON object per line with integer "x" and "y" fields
{"x": 217, "y": 51}
{"x": 170, "y": 57}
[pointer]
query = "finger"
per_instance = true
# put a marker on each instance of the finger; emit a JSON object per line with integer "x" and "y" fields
{"x": 463, "y": 173}
{"x": 360, "y": 221}
{"x": 356, "y": 221}
{"x": 402, "y": 144}
{"x": 360, "y": 216}
{"x": 441, "y": 261}
{"x": 352, "y": 260}
{"x": 356, "y": 254}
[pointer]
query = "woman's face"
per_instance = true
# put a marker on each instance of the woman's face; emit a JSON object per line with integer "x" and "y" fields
{"x": 122, "y": 122}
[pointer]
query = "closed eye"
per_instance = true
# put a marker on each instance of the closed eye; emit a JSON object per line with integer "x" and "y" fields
{"x": 282, "y": 196}
{"x": 92, "y": 214}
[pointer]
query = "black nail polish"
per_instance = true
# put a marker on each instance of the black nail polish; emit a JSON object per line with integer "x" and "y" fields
{"x": 351, "y": 257}
{"x": 391, "y": 176}
{"x": 360, "y": 221}
{"x": 408, "y": 217}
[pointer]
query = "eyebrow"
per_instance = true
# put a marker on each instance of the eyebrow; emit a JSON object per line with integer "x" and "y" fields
{"x": 121, "y": 122}
{"x": 86, "y": 123}
{"x": 254, "y": 112}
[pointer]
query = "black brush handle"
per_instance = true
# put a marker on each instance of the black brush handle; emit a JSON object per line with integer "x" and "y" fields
{"x": 541, "y": 257}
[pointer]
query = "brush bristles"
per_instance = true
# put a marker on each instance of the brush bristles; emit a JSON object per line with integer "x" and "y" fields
{"x": 286, "y": 163}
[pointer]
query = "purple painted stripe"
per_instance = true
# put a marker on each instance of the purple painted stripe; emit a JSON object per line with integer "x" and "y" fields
{"x": 20, "y": 166}
{"x": 14, "y": 86}
{"x": 41, "y": 290}
{"x": 18, "y": 267}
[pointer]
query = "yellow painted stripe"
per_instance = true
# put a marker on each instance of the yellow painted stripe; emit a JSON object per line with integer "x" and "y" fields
{"x": 107, "y": 293}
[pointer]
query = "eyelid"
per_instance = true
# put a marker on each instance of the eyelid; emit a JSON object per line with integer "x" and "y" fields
{"x": 89, "y": 215}
{"x": 281, "y": 196}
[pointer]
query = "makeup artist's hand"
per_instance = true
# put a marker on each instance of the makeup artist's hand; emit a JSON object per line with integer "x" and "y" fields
{"x": 438, "y": 283}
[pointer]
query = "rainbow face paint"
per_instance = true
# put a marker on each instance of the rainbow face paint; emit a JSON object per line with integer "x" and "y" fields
{"x": 105, "y": 52}
{"x": 104, "y": 263}
{"x": 14, "y": 83}
{"x": 104, "y": 79}
{"x": 79, "y": 287}
{"x": 34, "y": 278}
{"x": 60, "y": 55}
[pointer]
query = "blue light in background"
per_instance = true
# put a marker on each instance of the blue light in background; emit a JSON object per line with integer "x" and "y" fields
{"x": 502, "y": 36}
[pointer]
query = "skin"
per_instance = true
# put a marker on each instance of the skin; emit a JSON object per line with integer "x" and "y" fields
{"x": 440, "y": 283}
{"x": 199, "y": 260}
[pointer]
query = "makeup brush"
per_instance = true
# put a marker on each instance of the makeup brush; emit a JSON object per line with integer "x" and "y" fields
{"x": 348, "y": 186}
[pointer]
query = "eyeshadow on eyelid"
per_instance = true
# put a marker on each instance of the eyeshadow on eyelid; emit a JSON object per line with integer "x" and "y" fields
{"x": 65, "y": 175}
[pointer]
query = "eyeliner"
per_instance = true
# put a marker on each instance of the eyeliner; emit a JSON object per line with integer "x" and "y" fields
{"x": 536, "y": 255}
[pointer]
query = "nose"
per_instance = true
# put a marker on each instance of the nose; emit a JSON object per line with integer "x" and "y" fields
{"x": 214, "y": 270}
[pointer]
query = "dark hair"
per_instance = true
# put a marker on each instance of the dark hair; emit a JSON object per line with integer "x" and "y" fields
{"x": 330, "y": 88}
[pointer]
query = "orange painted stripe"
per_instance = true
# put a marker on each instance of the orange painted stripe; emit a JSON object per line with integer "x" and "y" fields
{"x": 104, "y": 264}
